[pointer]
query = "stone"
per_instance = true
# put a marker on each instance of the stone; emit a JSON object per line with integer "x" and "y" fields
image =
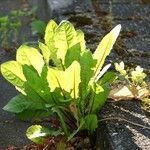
{"x": 130, "y": 129}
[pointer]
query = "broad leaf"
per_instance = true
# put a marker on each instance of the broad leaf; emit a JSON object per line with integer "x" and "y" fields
{"x": 30, "y": 56}
{"x": 20, "y": 103}
{"x": 72, "y": 78}
{"x": 37, "y": 133}
{"x": 99, "y": 96}
{"x": 17, "y": 104}
{"x": 72, "y": 54}
{"x": 67, "y": 80}
{"x": 55, "y": 79}
{"x": 102, "y": 72}
{"x": 45, "y": 51}
{"x": 49, "y": 34}
{"x": 105, "y": 47}
{"x": 38, "y": 27}
{"x": 65, "y": 38}
{"x": 91, "y": 122}
{"x": 49, "y": 41}
{"x": 108, "y": 77}
{"x": 29, "y": 114}
{"x": 37, "y": 83}
{"x": 80, "y": 39}
{"x": 12, "y": 71}
{"x": 87, "y": 69}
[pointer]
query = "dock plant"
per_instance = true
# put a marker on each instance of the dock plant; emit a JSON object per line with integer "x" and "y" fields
{"x": 60, "y": 80}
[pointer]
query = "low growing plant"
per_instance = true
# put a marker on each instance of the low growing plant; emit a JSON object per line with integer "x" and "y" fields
{"x": 11, "y": 24}
{"x": 134, "y": 78}
{"x": 60, "y": 80}
{"x": 136, "y": 87}
{"x": 9, "y": 28}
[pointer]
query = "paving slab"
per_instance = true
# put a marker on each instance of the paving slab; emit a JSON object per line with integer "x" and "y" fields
{"x": 130, "y": 129}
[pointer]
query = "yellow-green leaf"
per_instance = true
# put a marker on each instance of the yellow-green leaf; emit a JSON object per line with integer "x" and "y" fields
{"x": 45, "y": 51}
{"x": 30, "y": 56}
{"x": 81, "y": 40}
{"x": 72, "y": 77}
{"x": 49, "y": 34}
{"x": 55, "y": 79}
{"x": 99, "y": 96}
{"x": 65, "y": 38}
{"x": 12, "y": 71}
{"x": 105, "y": 47}
{"x": 67, "y": 80}
{"x": 38, "y": 133}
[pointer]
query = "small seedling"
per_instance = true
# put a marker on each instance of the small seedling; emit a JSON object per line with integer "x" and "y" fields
{"x": 9, "y": 27}
{"x": 135, "y": 86}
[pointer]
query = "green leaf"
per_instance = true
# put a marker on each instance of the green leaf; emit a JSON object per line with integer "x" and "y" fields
{"x": 87, "y": 69}
{"x": 65, "y": 38}
{"x": 29, "y": 114}
{"x": 98, "y": 97}
{"x": 49, "y": 34}
{"x": 91, "y": 122}
{"x": 50, "y": 43}
{"x": 37, "y": 83}
{"x": 80, "y": 39}
{"x": 61, "y": 38}
{"x": 105, "y": 47}
{"x": 72, "y": 54}
{"x": 72, "y": 74}
{"x": 109, "y": 77}
{"x": 17, "y": 104}
{"x": 37, "y": 133}
{"x": 46, "y": 52}
{"x": 12, "y": 71}
{"x": 20, "y": 103}
{"x": 59, "y": 79}
{"x": 38, "y": 27}
{"x": 30, "y": 56}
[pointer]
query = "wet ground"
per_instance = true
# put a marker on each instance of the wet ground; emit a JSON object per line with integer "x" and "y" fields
{"x": 95, "y": 18}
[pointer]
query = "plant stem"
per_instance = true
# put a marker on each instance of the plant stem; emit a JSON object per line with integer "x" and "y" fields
{"x": 59, "y": 113}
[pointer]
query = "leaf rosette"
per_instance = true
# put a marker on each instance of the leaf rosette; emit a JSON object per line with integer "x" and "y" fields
{"x": 61, "y": 78}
